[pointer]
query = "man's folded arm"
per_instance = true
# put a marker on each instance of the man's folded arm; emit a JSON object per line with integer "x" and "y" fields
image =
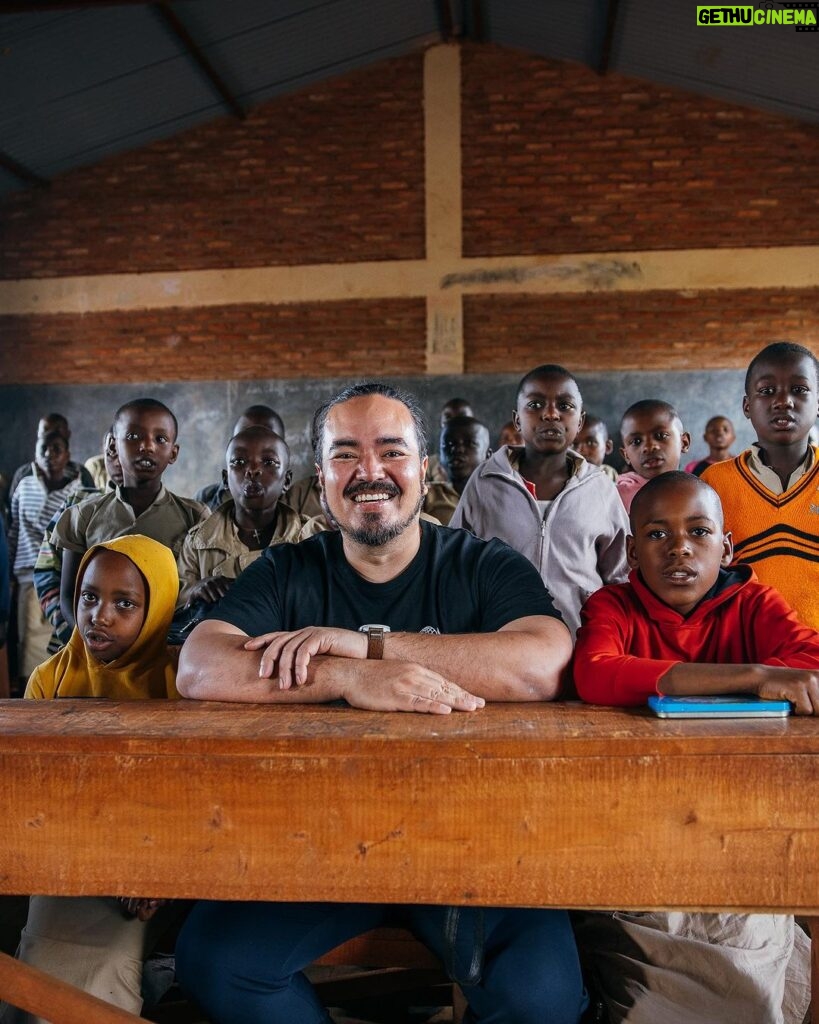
{"x": 214, "y": 665}
{"x": 524, "y": 660}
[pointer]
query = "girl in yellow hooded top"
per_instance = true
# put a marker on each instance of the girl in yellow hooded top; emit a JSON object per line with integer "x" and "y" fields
{"x": 124, "y": 602}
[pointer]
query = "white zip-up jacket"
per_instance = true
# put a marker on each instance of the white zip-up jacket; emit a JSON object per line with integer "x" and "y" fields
{"x": 577, "y": 546}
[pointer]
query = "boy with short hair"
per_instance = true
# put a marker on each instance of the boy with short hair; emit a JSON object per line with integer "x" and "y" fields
{"x": 509, "y": 434}
{"x": 54, "y": 422}
{"x": 653, "y": 442}
{"x": 213, "y": 495}
{"x": 594, "y": 444}
{"x": 37, "y": 498}
{"x": 145, "y": 431}
{"x": 253, "y": 518}
{"x": 449, "y": 410}
{"x": 686, "y": 624}
{"x": 464, "y": 445}
{"x": 770, "y": 492}
{"x": 719, "y": 436}
{"x": 546, "y": 501}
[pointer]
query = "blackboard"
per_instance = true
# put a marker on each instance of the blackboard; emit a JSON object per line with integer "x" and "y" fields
{"x": 207, "y": 410}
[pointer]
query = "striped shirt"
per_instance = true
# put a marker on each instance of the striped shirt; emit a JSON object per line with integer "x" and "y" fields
{"x": 32, "y": 506}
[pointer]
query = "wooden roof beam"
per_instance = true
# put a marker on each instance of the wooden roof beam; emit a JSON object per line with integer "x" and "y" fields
{"x": 169, "y": 17}
{"x": 22, "y": 172}
{"x": 446, "y": 22}
{"x": 612, "y": 10}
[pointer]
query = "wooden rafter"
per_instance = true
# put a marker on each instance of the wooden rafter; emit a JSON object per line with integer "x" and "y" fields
{"x": 169, "y": 17}
{"x": 446, "y": 22}
{"x": 612, "y": 9}
{"x": 8, "y": 163}
{"x": 35, "y": 6}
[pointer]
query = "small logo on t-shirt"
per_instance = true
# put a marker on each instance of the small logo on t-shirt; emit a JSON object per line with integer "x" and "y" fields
{"x": 437, "y": 632}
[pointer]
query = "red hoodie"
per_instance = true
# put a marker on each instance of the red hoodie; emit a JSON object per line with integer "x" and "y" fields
{"x": 629, "y": 638}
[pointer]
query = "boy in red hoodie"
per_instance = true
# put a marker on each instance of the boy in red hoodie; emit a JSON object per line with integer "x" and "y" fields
{"x": 684, "y": 623}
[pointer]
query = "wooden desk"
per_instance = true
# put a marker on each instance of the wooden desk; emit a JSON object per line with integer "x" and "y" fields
{"x": 533, "y": 804}
{"x": 529, "y": 805}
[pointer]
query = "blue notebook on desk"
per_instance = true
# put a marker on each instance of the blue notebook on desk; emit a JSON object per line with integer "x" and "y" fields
{"x": 718, "y": 706}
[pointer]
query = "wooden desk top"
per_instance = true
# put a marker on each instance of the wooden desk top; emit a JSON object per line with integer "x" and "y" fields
{"x": 518, "y": 804}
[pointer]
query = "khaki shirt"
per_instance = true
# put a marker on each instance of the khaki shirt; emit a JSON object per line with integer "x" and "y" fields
{"x": 213, "y": 548}
{"x": 303, "y": 497}
{"x": 441, "y": 501}
{"x": 95, "y": 520}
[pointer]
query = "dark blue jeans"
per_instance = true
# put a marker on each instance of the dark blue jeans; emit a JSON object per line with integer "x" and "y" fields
{"x": 243, "y": 962}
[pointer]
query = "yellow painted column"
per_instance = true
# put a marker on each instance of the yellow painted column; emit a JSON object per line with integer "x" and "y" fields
{"x": 442, "y": 186}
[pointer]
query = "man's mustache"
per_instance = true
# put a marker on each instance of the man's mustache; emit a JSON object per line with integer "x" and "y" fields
{"x": 368, "y": 487}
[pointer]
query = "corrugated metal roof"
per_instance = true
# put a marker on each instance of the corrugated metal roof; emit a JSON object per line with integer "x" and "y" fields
{"x": 559, "y": 29}
{"x": 81, "y": 84}
{"x": 772, "y": 67}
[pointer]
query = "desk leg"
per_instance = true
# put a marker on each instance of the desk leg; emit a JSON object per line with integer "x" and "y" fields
{"x": 813, "y": 927}
{"x": 37, "y": 992}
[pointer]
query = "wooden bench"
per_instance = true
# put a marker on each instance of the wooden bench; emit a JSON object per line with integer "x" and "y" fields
{"x": 516, "y": 805}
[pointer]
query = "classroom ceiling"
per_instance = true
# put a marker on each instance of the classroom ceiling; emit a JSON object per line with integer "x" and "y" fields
{"x": 80, "y": 81}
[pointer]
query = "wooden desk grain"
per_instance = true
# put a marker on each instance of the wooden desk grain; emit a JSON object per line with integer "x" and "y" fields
{"x": 529, "y": 805}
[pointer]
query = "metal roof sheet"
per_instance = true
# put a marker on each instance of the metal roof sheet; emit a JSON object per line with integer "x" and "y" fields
{"x": 77, "y": 85}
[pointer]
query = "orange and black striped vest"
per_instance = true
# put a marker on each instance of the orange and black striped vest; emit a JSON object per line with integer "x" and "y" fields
{"x": 778, "y": 534}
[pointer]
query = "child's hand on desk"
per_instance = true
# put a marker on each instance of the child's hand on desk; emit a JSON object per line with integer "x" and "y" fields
{"x": 798, "y": 685}
{"x": 140, "y": 907}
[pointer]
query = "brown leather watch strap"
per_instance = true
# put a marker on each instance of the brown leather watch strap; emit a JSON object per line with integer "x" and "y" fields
{"x": 375, "y": 642}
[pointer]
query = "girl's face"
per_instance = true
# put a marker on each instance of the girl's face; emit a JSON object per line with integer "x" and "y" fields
{"x": 111, "y": 606}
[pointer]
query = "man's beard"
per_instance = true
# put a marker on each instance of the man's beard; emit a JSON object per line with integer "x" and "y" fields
{"x": 375, "y": 534}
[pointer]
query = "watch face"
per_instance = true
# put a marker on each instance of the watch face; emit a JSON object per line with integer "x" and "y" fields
{"x": 373, "y": 625}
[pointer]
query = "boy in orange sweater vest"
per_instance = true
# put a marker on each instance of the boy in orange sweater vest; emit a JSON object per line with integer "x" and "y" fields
{"x": 770, "y": 493}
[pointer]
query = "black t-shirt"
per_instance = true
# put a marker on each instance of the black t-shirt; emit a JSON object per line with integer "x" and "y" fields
{"x": 455, "y": 584}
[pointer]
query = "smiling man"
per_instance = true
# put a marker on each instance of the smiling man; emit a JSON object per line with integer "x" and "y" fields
{"x": 389, "y": 613}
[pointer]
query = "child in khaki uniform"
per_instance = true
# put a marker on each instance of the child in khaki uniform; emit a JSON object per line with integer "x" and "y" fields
{"x": 145, "y": 431}
{"x": 253, "y": 518}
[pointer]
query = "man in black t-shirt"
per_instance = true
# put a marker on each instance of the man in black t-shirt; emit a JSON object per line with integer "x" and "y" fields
{"x": 392, "y": 614}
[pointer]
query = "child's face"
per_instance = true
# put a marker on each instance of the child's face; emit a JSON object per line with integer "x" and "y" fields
{"x": 464, "y": 446}
{"x": 549, "y": 414}
{"x": 653, "y": 442}
{"x": 593, "y": 443}
{"x": 146, "y": 445}
{"x": 112, "y": 466}
{"x": 719, "y": 434}
{"x": 453, "y": 409}
{"x": 679, "y": 545}
{"x": 510, "y": 435}
{"x": 257, "y": 471}
{"x": 52, "y": 456}
{"x": 782, "y": 402}
{"x": 111, "y": 605}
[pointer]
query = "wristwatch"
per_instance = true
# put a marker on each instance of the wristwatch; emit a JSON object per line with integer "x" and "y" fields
{"x": 375, "y": 639}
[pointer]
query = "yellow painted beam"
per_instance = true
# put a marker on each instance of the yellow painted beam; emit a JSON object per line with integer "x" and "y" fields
{"x": 679, "y": 270}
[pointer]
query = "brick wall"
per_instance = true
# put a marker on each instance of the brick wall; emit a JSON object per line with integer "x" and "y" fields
{"x": 635, "y": 330}
{"x": 559, "y": 159}
{"x": 329, "y": 174}
{"x": 332, "y": 339}
{"x": 555, "y": 159}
